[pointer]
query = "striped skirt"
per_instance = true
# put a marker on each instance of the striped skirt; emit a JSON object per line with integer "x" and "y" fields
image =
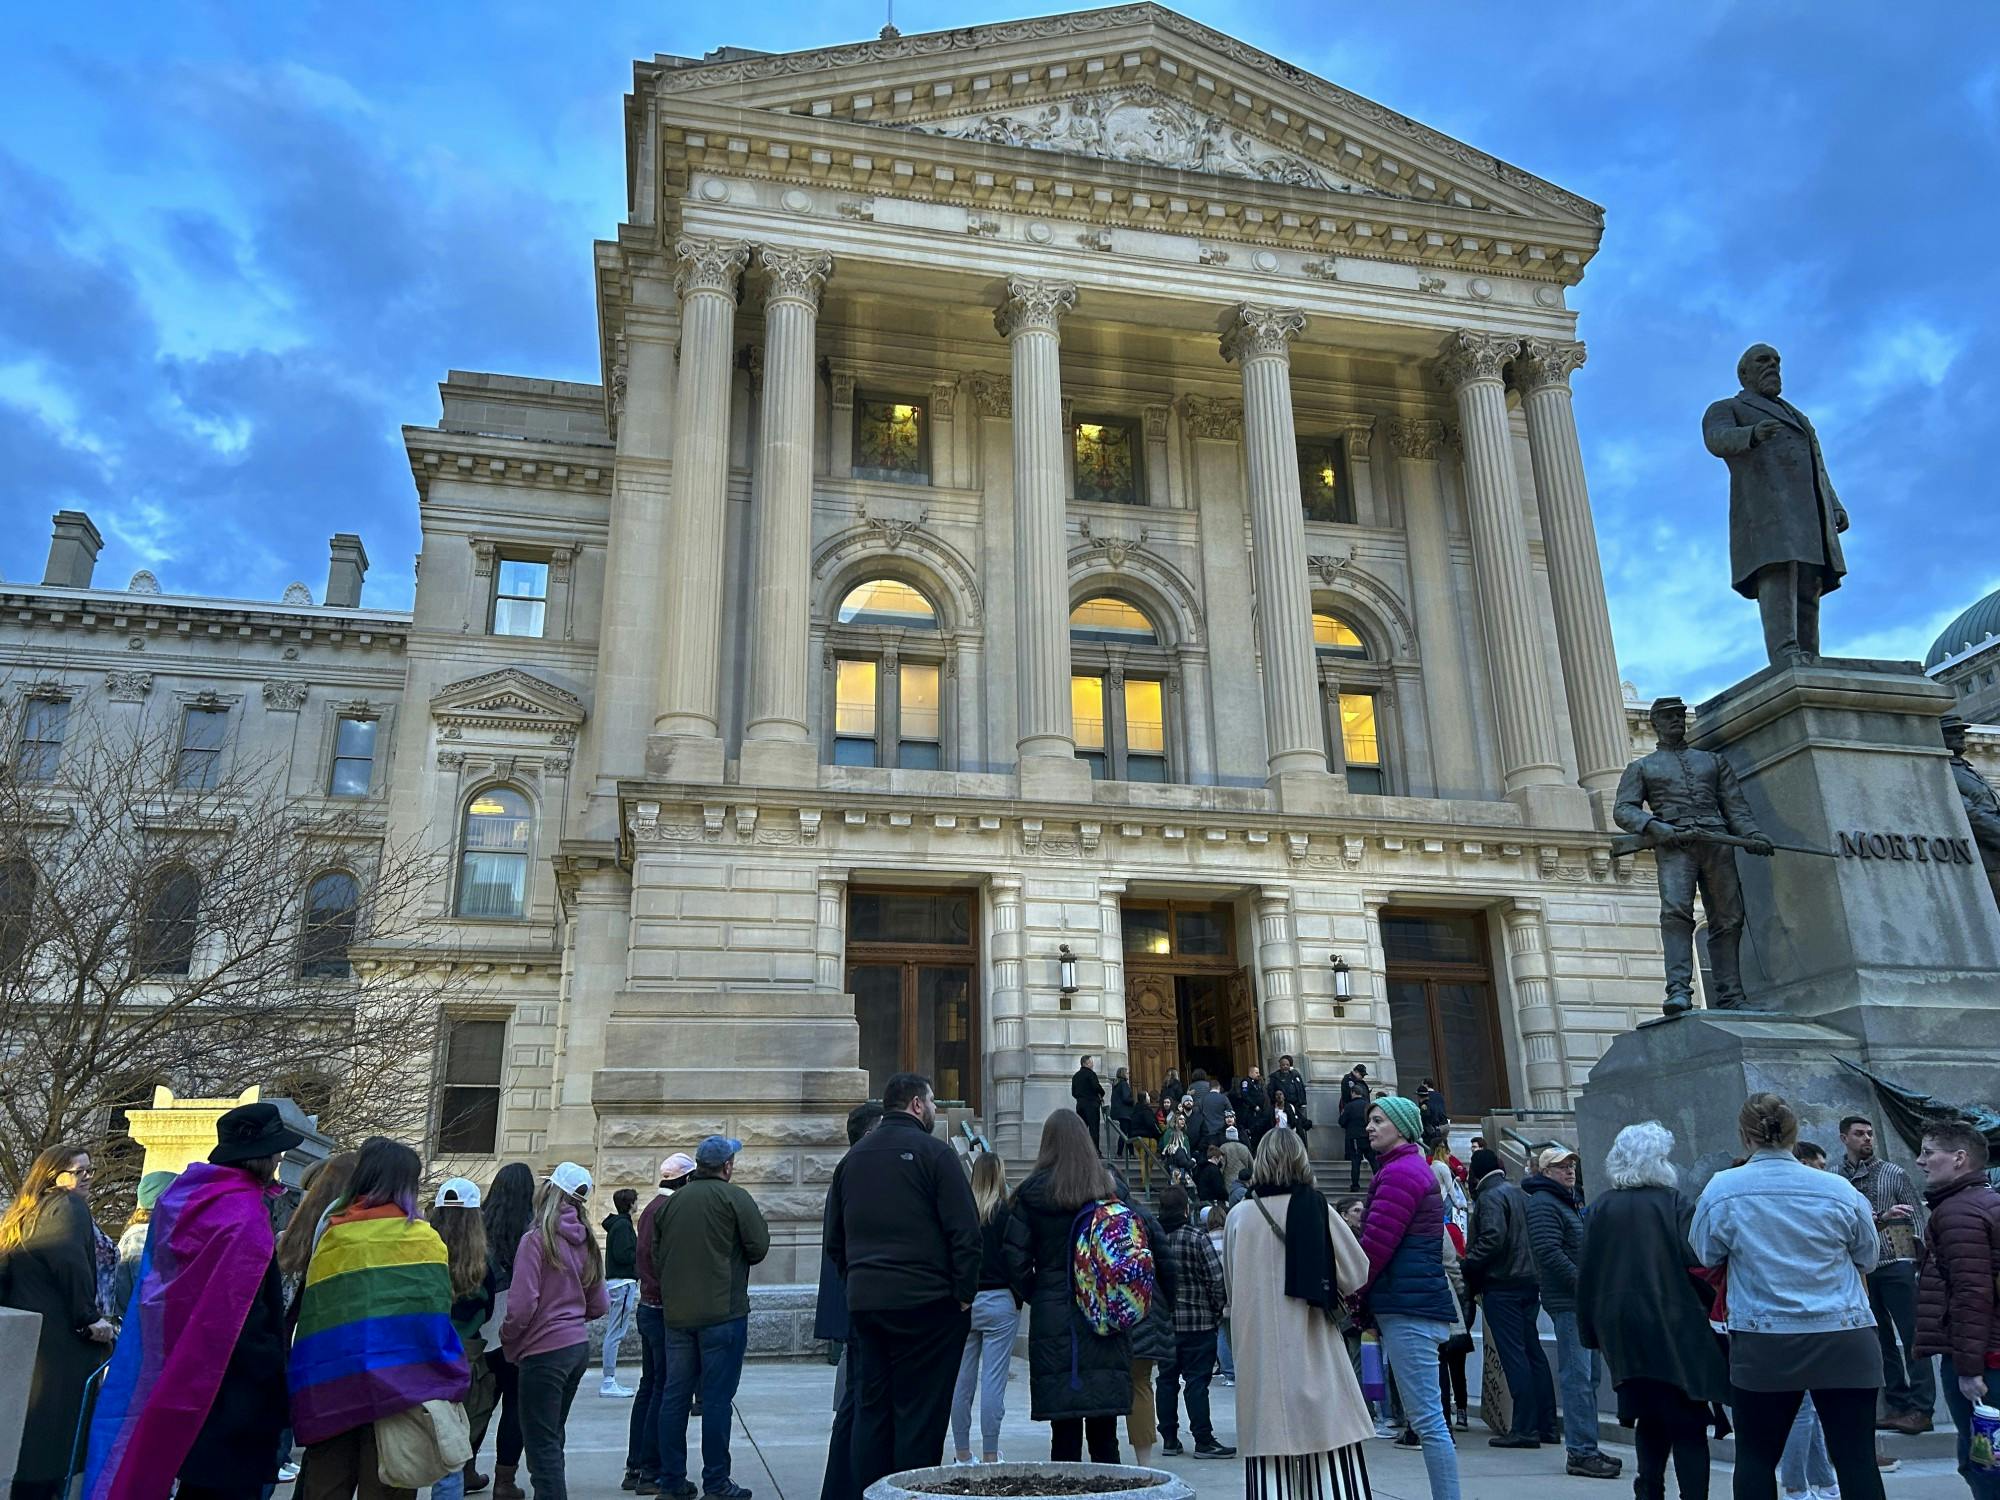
{"x": 1341, "y": 1474}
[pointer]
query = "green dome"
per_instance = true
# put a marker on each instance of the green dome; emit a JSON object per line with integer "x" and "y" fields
{"x": 1969, "y": 629}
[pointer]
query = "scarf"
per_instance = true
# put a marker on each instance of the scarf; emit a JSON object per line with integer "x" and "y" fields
{"x": 206, "y": 1250}
{"x": 1308, "y": 1243}
{"x": 374, "y": 1335}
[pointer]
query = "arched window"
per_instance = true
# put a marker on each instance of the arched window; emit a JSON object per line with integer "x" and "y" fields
{"x": 331, "y": 903}
{"x": 493, "y": 854}
{"x": 888, "y": 678}
{"x": 1350, "y": 688}
{"x": 17, "y": 906}
{"x": 168, "y": 915}
{"x": 1118, "y": 690}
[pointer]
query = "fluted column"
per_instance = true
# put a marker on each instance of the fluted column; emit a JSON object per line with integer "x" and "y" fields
{"x": 1576, "y": 577}
{"x": 1111, "y": 960}
{"x": 1260, "y": 341}
{"x": 1008, "y": 1027}
{"x": 781, "y": 577}
{"x": 1278, "y": 959}
{"x": 689, "y": 696}
{"x": 1418, "y": 443}
{"x": 1029, "y": 321}
{"x": 1470, "y": 367}
{"x": 1535, "y": 1007}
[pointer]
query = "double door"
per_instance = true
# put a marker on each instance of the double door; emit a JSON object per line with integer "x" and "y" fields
{"x": 1187, "y": 1020}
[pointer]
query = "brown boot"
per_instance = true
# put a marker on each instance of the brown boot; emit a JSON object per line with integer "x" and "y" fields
{"x": 474, "y": 1480}
{"x": 504, "y": 1487}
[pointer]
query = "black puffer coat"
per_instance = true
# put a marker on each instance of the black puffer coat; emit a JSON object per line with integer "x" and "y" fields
{"x": 1072, "y": 1372}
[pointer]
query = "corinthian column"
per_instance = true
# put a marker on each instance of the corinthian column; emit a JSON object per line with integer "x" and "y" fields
{"x": 1260, "y": 341}
{"x": 1576, "y": 578}
{"x": 1029, "y": 321}
{"x": 689, "y": 701}
{"x": 1470, "y": 367}
{"x": 777, "y": 746}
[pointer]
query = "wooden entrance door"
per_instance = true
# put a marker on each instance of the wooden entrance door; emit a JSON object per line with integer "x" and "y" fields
{"x": 1444, "y": 1022}
{"x": 1152, "y": 1028}
{"x": 1243, "y": 1047}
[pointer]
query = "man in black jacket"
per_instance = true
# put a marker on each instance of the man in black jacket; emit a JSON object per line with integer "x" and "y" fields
{"x": 1211, "y": 1110}
{"x": 1087, "y": 1089}
{"x": 1555, "y": 1231}
{"x": 1430, "y": 1099}
{"x": 903, "y": 1233}
{"x": 1499, "y": 1266}
{"x": 1253, "y": 1108}
{"x": 830, "y": 1322}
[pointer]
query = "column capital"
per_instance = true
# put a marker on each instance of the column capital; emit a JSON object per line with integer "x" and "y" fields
{"x": 1547, "y": 362}
{"x": 709, "y": 265}
{"x": 1033, "y": 306}
{"x": 1207, "y": 417}
{"x": 992, "y": 395}
{"x": 1467, "y": 357}
{"x": 1257, "y": 330}
{"x": 1417, "y": 437}
{"x": 796, "y": 275}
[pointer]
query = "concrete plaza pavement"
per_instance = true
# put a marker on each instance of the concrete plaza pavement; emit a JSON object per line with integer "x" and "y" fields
{"x": 783, "y": 1416}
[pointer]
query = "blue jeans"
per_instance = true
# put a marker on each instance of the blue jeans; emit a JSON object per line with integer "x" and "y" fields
{"x": 451, "y": 1487}
{"x": 642, "y": 1442}
{"x": 714, "y": 1356}
{"x": 1222, "y": 1355}
{"x": 1805, "y": 1465}
{"x": 1983, "y": 1483}
{"x": 1576, "y": 1368}
{"x": 1411, "y": 1345}
{"x": 988, "y": 1347}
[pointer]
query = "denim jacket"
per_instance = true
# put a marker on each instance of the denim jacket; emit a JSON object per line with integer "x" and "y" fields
{"x": 1795, "y": 1241}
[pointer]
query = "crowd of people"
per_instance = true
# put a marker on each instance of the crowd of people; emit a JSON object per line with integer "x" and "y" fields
{"x": 379, "y": 1338}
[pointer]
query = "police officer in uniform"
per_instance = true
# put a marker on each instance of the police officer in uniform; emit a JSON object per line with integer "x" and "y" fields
{"x": 1672, "y": 799}
{"x": 1982, "y": 805}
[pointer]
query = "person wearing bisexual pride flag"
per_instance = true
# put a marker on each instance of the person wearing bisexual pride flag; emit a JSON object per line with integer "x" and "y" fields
{"x": 196, "y": 1388}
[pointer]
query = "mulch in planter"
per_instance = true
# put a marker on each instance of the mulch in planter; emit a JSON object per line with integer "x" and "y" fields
{"x": 1036, "y": 1484}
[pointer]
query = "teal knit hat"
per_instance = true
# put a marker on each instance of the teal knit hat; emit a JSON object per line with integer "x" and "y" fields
{"x": 151, "y": 1186}
{"x": 1403, "y": 1114}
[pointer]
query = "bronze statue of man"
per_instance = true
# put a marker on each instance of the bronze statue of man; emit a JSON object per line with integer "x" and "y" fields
{"x": 1982, "y": 804}
{"x": 1784, "y": 518}
{"x": 1678, "y": 799}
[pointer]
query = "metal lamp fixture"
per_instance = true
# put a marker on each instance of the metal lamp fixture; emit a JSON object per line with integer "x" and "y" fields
{"x": 1067, "y": 961}
{"x": 1343, "y": 985}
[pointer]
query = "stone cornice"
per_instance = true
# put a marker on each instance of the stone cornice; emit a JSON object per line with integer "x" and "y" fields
{"x": 168, "y": 619}
{"x": 483, "y": 459}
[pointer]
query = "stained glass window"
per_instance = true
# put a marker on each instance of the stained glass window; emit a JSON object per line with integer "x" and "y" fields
{"x": 1109, "y": 619}
{"x": 891, "y": 439}
{"x": 1333, "y": 636}
{"x": 1107, "y": 461}
{"x": 1323, "y": 482}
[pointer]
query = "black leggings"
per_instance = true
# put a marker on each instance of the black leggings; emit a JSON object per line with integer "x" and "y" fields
{"x": 507, "y": 1402}
{"x": 1764, "y": 1420}
{"x": 1066, "y": 1435}
{"x": 1681, "y": 1436}
{"x": 1451, "y": 1378}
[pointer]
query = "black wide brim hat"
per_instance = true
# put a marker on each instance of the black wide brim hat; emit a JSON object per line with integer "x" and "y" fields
{"x": 250, "y": 1131}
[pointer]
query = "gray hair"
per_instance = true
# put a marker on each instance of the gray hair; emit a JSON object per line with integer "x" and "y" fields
{"x": 1638, "y": 1158}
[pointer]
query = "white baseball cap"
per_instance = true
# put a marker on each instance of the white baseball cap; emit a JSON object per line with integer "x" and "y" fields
{"x": 572, "y": 1179}
{"x": 457, "y": 1192}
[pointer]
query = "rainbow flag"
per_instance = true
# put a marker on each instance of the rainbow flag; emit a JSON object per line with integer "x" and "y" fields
{"x": 207, "y": 1249}
{"x": 374, "y": 1335}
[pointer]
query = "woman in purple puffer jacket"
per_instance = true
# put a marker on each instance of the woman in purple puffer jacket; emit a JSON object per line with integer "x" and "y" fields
{"x": 1407, "y": 1296}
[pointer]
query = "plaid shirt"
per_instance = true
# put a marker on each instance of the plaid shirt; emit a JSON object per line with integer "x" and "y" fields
{"x": 1884, "y": 1185}
{"x": 1196, "y": 1269}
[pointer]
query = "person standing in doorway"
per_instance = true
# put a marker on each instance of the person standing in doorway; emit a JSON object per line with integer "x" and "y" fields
{"x": 903, "y": 1233}
{"x": 1499, "y": 1266}
{"x": 1087, "y": 1089}
{"x": 1909, "y": 1385}
{"x": 558, "y": 1288}
{"x": 1555, "y": 1231}
{"x": 989, "y": 1346}
{"x": 831, "y": 1322}
{"x": 642, "y": 1441}
{"x": 621, "y": 1285}
{"x": 1956, "y": 1312}
{"x": 706, "y": 1240}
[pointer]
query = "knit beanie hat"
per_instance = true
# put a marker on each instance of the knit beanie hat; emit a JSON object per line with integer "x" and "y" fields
{"x": 1484, "y": 1162}
{"x": 1403, "y": 1114}
{"x": 151, "y": 1186}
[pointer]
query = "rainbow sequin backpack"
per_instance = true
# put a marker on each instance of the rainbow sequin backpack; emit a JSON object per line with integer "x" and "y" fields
{"x": 1111, "y": 1269}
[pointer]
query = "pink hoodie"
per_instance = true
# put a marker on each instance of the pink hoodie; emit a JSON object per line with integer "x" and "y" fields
{"x": 547, "y": 1306}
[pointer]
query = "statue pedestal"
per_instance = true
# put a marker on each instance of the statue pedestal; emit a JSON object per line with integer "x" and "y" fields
{"x": 1875, "y": 954}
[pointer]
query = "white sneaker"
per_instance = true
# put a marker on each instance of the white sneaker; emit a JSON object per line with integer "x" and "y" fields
{"x": 613, "y": 1388}
{"x": 287, "y": 1473}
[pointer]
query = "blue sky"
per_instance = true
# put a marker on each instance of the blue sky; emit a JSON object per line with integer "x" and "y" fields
{"x": 240, "y": 244}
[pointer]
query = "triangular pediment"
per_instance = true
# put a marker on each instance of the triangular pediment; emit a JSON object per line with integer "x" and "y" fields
{"x": 507, "y": 696}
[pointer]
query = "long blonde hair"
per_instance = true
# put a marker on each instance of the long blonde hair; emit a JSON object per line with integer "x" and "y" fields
{"x": 463, "y": 1231}
{"x": 549, "y": 1201}
{"x": 325, "y": 1185}
{"x": 38, "y": 1190}
{"x": 989, "y": 1186}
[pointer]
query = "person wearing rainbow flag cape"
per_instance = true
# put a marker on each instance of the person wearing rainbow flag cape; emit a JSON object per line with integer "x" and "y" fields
{"x": 196, "y": 1389}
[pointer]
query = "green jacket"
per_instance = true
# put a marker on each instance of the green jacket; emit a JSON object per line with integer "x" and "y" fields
{"x": 705, "y": 1241}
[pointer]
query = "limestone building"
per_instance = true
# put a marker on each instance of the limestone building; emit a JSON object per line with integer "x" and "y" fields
{"x": 1966, "y": 658}
{"x": 1078, "y": 488}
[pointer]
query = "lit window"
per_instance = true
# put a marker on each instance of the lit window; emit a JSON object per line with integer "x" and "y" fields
{"x": 888, "y": 699}
{"x": 353, "y": 758}
{"x": 1333, "y": 636}
{"x": 1360, "y": 743}
{"x": 1145, "y": 730}
{"x": 331, "y": 904}
{"x": 1107, "y": 460}
{"x": 39, "y": 750}
{"x": 493, "y": 862}
{"x": 920, "y": 725}
{"x": 1323, "y": 486}
{"x": 167, "y": 923}
{"x": 199, "y": 767}
{"x": 891, "y": 440}
{"x": 1120, "y": 731}
{"x": 520, "y": 598}
{"x": 475, "y": 1054}
{"x": 1107, "y": 619}
{"x": 855, "y": 713}
{"x": 887, "y": 601}
{"x": 1086, "y": 712}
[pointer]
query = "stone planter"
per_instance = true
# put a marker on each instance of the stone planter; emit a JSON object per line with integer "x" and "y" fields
{"x": 1061, "y": 1481}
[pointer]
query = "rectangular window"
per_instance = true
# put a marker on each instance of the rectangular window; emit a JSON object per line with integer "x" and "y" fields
{"x": 353, "y": 758}
{"x": 891, "y": 439}
{"x": 1086, "y": 712}
{"x": 1107, "y": 460}
{"x": 474, "y": 1062}
{"x": 854, "y": 713}
{"x": 520, "y": 599}
{"x": 1360, "y": 742}
{"x": 1145, "y": 730}
{"x": 920, "y": 743}
{"x": 199, "y": 768}
{"x": 39, "y": 750}
{"x": 1323, "y": 482}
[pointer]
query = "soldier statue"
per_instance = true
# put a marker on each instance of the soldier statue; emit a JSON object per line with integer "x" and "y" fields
{"x": 1687, "y": 806}
{"x": 1784, "y": 518}
{"x": 1982, "y": 805}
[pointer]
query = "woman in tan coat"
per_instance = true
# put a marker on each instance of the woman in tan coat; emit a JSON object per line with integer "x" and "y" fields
{"x": 1288, "y": 1260}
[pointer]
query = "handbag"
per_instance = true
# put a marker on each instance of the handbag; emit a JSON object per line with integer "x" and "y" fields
{"x": 417, "y": 1447}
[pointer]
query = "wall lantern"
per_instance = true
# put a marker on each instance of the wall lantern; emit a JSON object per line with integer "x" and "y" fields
{"x": 1067, "y": 961}
{"x": 1343, "y": 985}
